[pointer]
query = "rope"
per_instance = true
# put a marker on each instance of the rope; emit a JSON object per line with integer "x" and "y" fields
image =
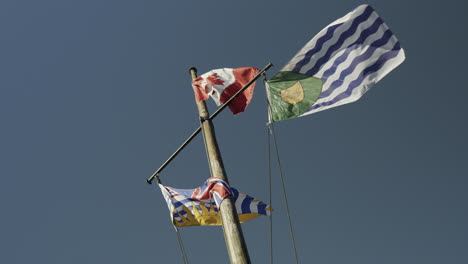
{"x": 181, "y": 246}
{"x": 270, "y": 201}
{"x": 179, "y": 237}
{"x": 272, "y": 130}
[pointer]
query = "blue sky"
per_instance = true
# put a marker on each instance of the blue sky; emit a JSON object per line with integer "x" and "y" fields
{"x": 95, "y": 95}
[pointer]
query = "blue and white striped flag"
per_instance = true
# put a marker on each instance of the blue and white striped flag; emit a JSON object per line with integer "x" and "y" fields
{"x": 335, "y": 67}
{"x": 200, "y": 206}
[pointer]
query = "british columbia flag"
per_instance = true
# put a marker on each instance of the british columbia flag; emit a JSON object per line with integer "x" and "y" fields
{"x": 200, "y": 206}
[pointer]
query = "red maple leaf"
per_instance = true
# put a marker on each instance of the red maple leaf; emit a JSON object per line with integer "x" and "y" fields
{"x": 213, "y": 79}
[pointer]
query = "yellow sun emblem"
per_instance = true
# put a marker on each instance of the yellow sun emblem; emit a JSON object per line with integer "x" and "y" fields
{"x": 294, "y": 94}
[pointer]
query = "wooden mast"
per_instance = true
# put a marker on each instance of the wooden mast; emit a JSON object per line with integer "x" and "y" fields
{"x": 233, "y": 236}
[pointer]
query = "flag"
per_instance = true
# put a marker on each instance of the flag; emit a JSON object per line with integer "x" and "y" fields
{"x": 222, "y": 84}
{"x": 200, "y": 206}
{"x": 335, "y": 67}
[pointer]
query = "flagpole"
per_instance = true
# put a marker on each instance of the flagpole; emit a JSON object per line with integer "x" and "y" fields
{"x": 233, "y": 235}
{"x": 221, "y": 108}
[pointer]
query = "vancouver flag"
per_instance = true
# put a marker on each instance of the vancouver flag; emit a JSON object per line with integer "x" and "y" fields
{"x": 200, "y": 206}
{"x": 335, "y": 67}
{"x": 222, "y": 84}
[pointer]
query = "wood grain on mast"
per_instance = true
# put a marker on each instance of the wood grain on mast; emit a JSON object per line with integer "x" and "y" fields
{"x": 233, "y": 235}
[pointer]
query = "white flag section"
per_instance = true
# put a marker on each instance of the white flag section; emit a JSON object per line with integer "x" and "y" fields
{"x": 349, "y": 56}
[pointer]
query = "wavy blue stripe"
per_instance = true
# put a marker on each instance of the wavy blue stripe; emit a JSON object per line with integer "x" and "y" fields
{"x": 185, "y": 202}
{"x": 351, "y": 47}
{"x": 182, "y": 213}
{"x": 367, "y": 71}
{"x": 177, "y": 204}
{"x": 343, "y": 57}
{"x": 356, "y": 61}
{"x": 345, "y": 35}
{"x": 246, "y": 205}
{"x": 318, "y": 46}
{"x": 319, "y": 43}
{"x": 189, "y": 206}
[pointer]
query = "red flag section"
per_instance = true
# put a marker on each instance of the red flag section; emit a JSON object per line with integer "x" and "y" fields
{"x": 222, "y": 84}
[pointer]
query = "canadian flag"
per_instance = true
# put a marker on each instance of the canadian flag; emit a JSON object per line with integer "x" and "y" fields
{"x": 222, "y": 84}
